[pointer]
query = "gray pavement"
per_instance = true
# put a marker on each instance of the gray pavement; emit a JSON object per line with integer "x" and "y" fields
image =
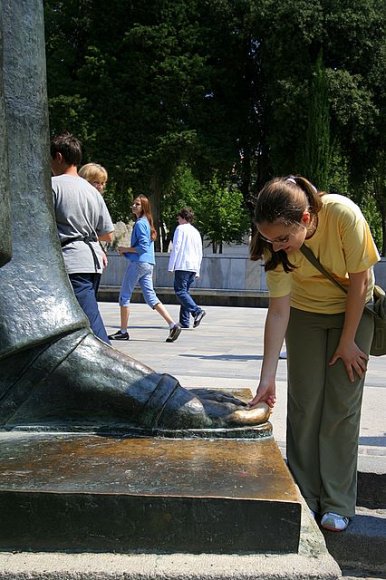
{"x": 226, "y": 351}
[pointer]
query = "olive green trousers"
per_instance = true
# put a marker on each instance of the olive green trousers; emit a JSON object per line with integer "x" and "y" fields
{"x": 323, "y": 412}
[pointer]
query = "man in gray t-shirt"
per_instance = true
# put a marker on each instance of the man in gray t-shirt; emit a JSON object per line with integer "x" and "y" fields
{"x": 83, "y": 220}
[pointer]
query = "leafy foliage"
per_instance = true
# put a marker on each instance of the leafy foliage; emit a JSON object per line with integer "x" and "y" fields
{"x": 220, "y": 214}
{"x": 230, "y": 89}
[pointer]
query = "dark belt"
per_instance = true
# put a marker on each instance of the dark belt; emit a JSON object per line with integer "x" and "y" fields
{"x": 87, "y": 240}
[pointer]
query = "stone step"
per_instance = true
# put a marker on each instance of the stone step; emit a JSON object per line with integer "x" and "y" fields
{"x": 362, "y": 547}
{"x": 372, "y": 488}
{"x": 312, "y": 562}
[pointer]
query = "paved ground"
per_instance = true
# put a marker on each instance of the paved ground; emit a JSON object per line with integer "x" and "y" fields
{"x": 226, "y": 351}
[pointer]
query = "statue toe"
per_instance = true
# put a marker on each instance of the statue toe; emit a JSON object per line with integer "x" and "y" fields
{"x": 250, "y": 416}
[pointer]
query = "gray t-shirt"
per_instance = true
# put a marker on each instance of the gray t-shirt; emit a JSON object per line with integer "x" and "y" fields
{"x": 80, "y": 212}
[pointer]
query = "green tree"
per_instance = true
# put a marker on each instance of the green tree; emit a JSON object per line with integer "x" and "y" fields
{"x": 222, "y": 216}
{"x": 219, "y": 209}
{"x": 223, "y": 86}
{"x": 317, "y": 154}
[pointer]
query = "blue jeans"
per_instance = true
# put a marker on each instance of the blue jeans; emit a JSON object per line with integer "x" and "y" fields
{"x": 182, "y": 283}
{"x": 138, "y": 273}
{"x": 85, "y": 289}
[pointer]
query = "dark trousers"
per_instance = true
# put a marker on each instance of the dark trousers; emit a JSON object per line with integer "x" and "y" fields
{"x": 85, "y": 288}
{"x": 182, "y": 283}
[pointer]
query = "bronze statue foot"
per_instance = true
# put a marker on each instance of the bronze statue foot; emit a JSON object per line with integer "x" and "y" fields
{"x": 76, "y": 382}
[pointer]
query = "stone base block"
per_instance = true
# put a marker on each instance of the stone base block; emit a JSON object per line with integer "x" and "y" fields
{"x": 83, "y": 492}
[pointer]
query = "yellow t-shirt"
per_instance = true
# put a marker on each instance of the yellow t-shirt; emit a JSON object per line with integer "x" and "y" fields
{"x": 343, "y": 244}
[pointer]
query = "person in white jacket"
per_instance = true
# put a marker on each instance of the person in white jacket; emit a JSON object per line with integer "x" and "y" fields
{"x": 185, "y": 261}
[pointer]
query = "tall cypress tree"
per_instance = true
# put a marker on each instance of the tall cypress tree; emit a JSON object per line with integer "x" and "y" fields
{"x": 317, "y": 153}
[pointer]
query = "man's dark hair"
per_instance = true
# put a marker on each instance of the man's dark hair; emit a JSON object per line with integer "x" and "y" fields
{"x": 186, "y": 213}
{"x": 69, "y": 146}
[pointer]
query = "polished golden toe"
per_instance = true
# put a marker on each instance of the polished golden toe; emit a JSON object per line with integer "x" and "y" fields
{"x": 251, "y": 416}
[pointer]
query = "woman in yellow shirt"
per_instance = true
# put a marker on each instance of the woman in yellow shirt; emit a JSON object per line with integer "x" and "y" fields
{"x": 328, "y": 337}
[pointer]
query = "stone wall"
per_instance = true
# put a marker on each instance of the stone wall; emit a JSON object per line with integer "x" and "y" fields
{"x": 218, "y": 272}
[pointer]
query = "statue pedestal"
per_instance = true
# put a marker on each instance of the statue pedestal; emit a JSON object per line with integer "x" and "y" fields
{"x": 83, "y": 492}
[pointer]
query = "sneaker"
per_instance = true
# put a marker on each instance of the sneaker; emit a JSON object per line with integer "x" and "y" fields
{"x": 119, "y": 336}
{"x": 174, "y": 333}
{"x": 334, "y": 522}
{"x": 198, "y": 317}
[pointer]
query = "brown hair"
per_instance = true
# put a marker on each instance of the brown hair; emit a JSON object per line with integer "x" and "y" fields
{"x": 69, "y": 146}
{"x": 146, "y": 212}
{"x": 283, "y": 199}
{"x": 186, "y": 213}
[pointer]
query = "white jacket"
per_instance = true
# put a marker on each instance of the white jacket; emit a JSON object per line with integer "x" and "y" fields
{"x": 186, "y": 253}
